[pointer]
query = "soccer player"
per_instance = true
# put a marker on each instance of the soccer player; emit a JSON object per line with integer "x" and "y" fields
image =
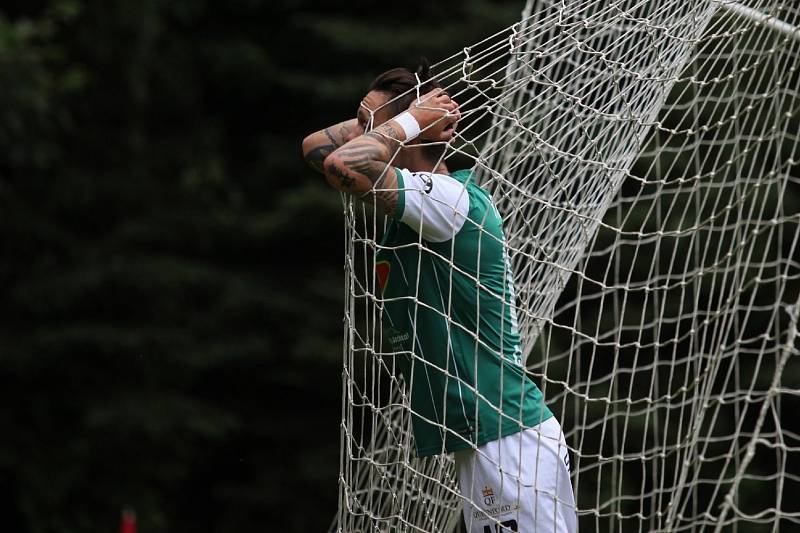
{"x": 448, "y": 304}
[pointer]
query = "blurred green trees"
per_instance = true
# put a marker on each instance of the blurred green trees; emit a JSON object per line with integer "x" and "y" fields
{"x": 171, "y": 283}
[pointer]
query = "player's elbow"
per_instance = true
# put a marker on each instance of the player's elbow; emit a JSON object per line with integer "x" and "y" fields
{"x": 335, "y": 171}
{"x": 308, "y": 146}
{"x": 342, "y": 176}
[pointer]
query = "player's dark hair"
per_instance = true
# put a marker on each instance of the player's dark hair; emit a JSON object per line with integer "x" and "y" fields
{"x": 401, "y": 81}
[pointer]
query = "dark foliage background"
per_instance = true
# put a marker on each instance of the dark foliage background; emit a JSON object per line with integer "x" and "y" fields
{"x": 170, "y": 278}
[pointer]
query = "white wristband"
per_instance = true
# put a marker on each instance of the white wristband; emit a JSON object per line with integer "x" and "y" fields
{"x": 409, "y": 124}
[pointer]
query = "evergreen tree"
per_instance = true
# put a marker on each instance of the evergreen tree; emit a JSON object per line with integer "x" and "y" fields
{"x": 170, "y": 283}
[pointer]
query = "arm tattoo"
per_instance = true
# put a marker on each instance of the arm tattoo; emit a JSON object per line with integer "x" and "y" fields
{"x": 386, "y": 129}
{"x": 344, "y": 131}
{"x": 316, "y": 156}
{"x": 386, "y": 200}
{"x": 326, "y": 141}
{"x": 347, "y": 181}
{"x": 368, "y": 157}
{"x": 369, "y": 154}
{"x": 365, "y": 162}
{"x": 332, "y": 139}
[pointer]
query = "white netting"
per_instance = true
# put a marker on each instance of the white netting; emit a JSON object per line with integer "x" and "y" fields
{"x": 644, "y": 156}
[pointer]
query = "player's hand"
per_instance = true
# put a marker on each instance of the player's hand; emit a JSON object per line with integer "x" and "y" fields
{"x": 437, "y": 115}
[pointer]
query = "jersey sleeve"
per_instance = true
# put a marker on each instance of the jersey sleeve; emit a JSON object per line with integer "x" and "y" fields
{"x": 434, "y": 205}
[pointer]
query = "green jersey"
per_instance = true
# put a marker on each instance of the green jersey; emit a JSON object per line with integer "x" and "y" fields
{"x": 449, "y": 312}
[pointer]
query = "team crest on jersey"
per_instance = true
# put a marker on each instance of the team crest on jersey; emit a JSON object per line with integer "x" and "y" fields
{"x": 382, "y": 269}
{"x": 428, "y": 182}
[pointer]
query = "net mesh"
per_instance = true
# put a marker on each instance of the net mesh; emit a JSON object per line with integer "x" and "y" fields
{"x": 644, "y": 157}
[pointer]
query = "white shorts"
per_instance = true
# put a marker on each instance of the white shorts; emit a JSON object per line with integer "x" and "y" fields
{"x": 502, "y": 493}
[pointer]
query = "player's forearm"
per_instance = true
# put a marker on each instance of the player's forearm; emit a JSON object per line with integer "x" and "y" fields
{"x": 319, "y": 145}
{"x": 358, "y": 165}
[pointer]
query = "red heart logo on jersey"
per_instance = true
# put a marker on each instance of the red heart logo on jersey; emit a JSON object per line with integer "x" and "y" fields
{"x": 382, "y": 272}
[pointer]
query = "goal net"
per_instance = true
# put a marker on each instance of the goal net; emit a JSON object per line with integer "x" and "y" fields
{"x": 644, "y": 158}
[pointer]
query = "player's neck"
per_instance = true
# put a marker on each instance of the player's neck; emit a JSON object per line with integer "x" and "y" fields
{"x": 420, "y": 164}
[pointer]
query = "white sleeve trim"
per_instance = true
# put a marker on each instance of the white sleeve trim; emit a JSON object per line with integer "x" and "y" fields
{"x": 435, "y": 205}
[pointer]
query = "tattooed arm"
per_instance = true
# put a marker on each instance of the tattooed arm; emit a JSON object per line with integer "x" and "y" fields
{"x": 356, "y": 167}
{"x": 364, "y": 164}
{"x": 319, "y": 145}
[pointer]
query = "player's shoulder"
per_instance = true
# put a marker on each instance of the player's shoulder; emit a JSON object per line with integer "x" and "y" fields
{"x": 481, "y": 203}
{"x": 465, "y": 176}
{"x": 468, "y": 179}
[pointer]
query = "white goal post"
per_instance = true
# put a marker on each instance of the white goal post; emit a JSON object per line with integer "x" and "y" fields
{"x": 645, "y": 158}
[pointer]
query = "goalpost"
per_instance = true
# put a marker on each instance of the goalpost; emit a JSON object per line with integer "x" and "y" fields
{"x": 645, "y": 158}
